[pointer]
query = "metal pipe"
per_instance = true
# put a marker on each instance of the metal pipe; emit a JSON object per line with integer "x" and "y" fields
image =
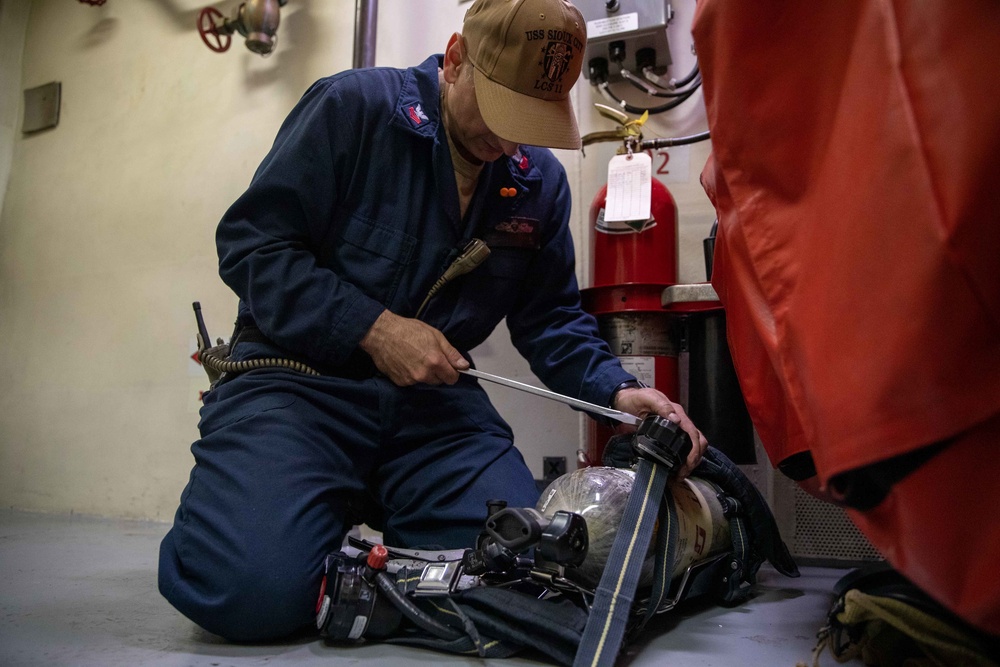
{"x": 365, "y": 21}
{"x": 258, "y": 22}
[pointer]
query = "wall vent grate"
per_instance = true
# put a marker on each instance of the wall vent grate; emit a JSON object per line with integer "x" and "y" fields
{"x": 825, "y": 531}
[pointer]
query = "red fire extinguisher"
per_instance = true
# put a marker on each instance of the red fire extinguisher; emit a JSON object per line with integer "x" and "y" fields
{"x": 633, "y": 262}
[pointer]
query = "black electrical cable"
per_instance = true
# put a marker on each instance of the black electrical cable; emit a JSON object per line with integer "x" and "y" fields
{"x": 650, "y": 89}
{"x": 622, "y": 104}
{"x": 678, "y": 97}
{"x": 412, "y": 612}
{"x": 683, "y": 82}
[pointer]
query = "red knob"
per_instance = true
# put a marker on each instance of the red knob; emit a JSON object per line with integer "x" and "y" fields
{"x": 377, "y": 557}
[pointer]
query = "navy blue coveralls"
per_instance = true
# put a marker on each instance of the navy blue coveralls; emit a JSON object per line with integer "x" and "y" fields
{"x": 355, "y": 210}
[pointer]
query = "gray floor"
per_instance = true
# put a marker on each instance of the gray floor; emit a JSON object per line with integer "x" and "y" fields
{"x": 82, "y": 591}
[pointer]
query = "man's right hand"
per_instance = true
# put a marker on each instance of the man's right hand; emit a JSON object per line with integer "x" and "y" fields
{"x": 408, "y": 351}
{"x": 641, "y": 402}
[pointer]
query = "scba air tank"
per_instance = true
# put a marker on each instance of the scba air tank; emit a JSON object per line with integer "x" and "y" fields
{"x": 599, "y": 494}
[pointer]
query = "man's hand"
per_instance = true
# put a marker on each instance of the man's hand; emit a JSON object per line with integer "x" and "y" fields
{"x": 407, "y": 351}
{"x": 641, "y": 402}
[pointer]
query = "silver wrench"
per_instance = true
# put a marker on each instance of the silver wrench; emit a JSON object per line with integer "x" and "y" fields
{"x": 617, "y": 415}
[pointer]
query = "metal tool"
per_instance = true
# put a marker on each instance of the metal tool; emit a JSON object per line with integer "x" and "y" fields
{"x": 617, "y": 415}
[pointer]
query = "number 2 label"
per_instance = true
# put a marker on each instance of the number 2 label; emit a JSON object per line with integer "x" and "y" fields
{"x": 662, "y": 169}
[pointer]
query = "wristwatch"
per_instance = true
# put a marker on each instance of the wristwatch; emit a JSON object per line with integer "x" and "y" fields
{"x": 627, "y": 384}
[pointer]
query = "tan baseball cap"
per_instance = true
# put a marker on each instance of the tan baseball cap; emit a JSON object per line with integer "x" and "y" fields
{"x": 527, "y": 55}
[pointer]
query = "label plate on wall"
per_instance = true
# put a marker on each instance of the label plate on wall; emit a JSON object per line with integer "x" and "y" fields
{"x": 41, "y": 107}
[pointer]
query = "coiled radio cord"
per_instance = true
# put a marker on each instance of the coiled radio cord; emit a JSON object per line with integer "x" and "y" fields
{"x": 215, "y": 360}
{"x": 221, "y": 365}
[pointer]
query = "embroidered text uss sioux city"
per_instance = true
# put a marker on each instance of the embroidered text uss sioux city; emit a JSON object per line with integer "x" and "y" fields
{"x": 555, "y": 36}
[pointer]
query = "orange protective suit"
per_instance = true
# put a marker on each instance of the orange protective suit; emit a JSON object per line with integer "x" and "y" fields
{"x": 856, "y": 175}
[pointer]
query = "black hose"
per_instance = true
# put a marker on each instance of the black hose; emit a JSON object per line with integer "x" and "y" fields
{"x": 688, "y": 79}
{"x": 650, "y": 88}
{"x": 622, "y": 104}
{"x": 652, "y": 144}
{"x": 412, "y": 612}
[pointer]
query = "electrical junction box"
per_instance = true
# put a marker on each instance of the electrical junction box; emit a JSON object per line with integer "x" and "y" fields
{"x": 639, "y": 25}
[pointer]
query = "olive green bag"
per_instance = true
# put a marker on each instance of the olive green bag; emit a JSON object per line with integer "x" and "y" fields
{"x": 886, "y": 621}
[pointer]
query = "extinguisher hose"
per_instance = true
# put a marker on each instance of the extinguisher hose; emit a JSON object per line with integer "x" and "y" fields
{"x": 676, "y": 141}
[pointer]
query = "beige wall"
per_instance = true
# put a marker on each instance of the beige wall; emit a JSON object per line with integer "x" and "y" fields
{"x": 106, "y": 234}
{"x": 13, "y": 21}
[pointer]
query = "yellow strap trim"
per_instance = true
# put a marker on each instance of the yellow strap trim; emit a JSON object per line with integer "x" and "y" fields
{"x": 628, "y": 557}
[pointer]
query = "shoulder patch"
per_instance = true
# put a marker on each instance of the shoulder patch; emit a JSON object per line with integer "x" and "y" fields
{"x": 415, "y": 114}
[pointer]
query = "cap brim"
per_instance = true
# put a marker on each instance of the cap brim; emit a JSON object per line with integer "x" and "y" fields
{"x": 524, "y": 119}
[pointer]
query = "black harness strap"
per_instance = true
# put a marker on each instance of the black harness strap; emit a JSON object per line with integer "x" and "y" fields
{"x": 736, "y": 583}
{"x": 666, "y": 554}
{"x": 602, "y": 637}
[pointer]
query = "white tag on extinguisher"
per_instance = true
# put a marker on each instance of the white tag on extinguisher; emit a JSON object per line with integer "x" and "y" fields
{"x": 629, "y": 187}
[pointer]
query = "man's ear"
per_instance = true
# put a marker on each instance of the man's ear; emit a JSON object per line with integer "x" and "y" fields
{"x": 454, "y": 58}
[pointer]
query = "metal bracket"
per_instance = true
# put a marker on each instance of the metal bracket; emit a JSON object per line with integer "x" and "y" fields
{"x": 688, "y": 293}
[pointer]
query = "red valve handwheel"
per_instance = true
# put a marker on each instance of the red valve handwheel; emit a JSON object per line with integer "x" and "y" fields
{"x": 209, "y": 30}
{"x": 377, "y": 557}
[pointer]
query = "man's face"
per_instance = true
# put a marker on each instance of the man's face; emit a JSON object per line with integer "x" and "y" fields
{"x": 466, "y": 124}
